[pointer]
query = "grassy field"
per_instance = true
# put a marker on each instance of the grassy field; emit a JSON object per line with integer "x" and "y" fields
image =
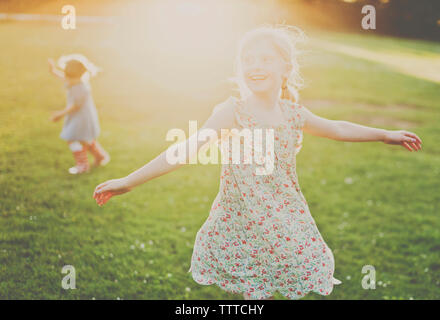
{"x": 374, "y": 204}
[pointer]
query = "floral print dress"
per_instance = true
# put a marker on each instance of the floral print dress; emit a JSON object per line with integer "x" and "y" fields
{"x": 260, "y": 237}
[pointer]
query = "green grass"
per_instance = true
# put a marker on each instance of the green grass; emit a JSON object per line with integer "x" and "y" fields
{"x": 388, "y": 216}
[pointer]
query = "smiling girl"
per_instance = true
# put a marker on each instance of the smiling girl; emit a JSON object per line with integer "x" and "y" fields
{"x": 260, "y": 237}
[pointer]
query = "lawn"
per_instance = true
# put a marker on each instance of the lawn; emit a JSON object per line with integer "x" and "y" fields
{"x": 374, "y": 204}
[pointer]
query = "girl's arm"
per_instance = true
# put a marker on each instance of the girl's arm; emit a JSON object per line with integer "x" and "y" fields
{"x": 69, "y": 109}
{"x": 54, "y": 70}
{"x": 352, "y": 132}
{"x": 222, "y": 119}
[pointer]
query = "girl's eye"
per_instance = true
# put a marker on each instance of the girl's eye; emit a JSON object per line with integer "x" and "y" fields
{"x": 267, "y": 59}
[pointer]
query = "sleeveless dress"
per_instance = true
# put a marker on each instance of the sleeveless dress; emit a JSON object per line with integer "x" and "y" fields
{"x": 82, "y": 125}
{"x": 260, "y": 237}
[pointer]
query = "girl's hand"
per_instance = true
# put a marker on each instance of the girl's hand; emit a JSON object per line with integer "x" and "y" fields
{"x": 51, "y": 63}
{"x": 55, "y": 70}
{"x": 406, "y": 139}
{"x": 57, "y": 116}
{"x": 110, "y": 188}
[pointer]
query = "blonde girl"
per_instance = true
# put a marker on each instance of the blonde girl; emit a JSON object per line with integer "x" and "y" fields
{"x": 81, "y": 125}
{"x": 260, "y": 237}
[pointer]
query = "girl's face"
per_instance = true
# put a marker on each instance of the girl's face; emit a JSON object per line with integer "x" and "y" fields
{"x": 263, "y": 67}
{"x": 74, "y": 69}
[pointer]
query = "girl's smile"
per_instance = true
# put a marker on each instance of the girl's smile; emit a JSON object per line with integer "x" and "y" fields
{"x": 258, "y": 77}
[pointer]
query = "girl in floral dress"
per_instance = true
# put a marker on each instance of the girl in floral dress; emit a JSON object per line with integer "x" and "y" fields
{"x": 260, "y": 237}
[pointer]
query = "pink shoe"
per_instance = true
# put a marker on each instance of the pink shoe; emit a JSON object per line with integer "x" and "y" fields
{"x": 100, "y": 155}
{"x": 82, "y": 162}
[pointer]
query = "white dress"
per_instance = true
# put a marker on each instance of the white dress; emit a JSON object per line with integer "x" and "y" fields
{"x": 82, "y": 125}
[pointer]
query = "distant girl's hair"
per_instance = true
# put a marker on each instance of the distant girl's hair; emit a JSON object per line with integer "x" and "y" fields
{"x": 284, "y": 38}
{"x": 77, "y": 66}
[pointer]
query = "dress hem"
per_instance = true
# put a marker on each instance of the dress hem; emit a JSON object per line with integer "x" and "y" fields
{"x": 229, "y": 288}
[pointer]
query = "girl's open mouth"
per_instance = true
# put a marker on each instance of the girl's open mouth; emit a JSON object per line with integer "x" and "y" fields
{"x": 258, "y": 77}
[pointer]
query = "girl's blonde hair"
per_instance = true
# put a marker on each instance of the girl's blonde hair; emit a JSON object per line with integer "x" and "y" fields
{"x": 77, "y": 65}
{"x": 284, "y": 38}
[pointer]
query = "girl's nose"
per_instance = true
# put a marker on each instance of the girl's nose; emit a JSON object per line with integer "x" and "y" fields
{"x": 258, "y": 63}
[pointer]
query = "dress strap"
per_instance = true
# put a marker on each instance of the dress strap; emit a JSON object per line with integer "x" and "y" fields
{"x": 242, "y": 118}
{"x": 295, "y": 114}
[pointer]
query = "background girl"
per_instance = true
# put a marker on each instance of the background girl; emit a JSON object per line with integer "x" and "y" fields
{"x": 81, "y": 125}
{"x": 260, "y": 237}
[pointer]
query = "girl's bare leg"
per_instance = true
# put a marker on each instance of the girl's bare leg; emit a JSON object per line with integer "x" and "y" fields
{"x": 101, "y": 156}
{"x": 79, "y": 151}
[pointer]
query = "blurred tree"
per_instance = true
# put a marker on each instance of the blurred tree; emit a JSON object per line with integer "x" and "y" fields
{"x": 404, "y": 18}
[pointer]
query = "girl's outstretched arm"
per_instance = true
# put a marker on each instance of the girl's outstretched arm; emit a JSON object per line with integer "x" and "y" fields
{"x": 352, "y": 132}
{"x": 222, "y": 119}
